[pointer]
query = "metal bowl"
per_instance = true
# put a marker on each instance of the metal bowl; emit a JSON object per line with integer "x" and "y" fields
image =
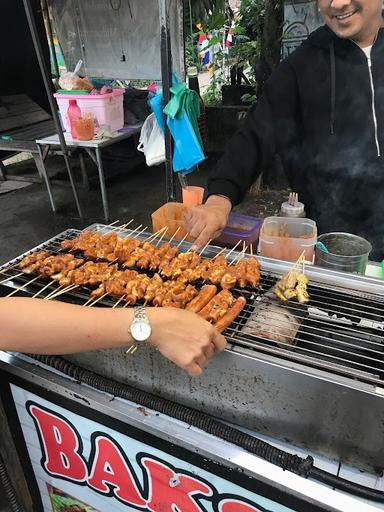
{"x": 347, "y": 252}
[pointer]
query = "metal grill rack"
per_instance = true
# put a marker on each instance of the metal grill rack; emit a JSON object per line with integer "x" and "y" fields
{"x": 341, "y": 330}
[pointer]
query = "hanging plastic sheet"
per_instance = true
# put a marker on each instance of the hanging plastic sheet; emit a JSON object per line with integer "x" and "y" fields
{"x": 182, "y": 112}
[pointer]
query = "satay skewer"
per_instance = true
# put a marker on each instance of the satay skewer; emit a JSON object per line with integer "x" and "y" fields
{"x": 205, "y": 246}
{"x": 140, "y": 232}
{"x": 43, "y": 289}
{"x": 18, "y": 289}
{"x": 233, "y": 249}
{"x": 181, "y": 241}
{"x": 108, "y": 226}
{"x": 162, "y": 236}
{"x": 118, "y": 302}
{"x": 12, "y": 277}
{"x": 173, "y": 236}
{"x": 155, "y": 235}
{"x": 60, "y": 290}
{"x": 95, "y": 301}
{"x": 220, "y": 252}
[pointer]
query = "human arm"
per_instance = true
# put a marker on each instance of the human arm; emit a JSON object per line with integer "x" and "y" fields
{"x": 50, "y": 327}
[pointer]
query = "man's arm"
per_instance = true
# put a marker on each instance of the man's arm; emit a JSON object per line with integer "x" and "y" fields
{"x": 272, "y": 120}
{"x": 45, "y": 327}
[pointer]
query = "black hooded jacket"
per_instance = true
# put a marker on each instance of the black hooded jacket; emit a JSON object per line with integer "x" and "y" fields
{"x": 323, "y": 117}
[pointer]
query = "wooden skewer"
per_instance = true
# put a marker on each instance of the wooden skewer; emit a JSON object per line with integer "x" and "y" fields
{"x": 140, "y": 232}
{"x": 66, "y": 289}
{"x": 88, "y": 302}
{"x": 125, "y": 225}
{"x": 112, "y": 224}
{"x": 154, "y": 235}
{"x": 162, "y": 236}
{"x": 118, "y": 302}
{"x": 233, "y": 248}
{"x": 12, "y": 277}
{"x": 181, "y": 241}
{"x": 134, "y": 231}
{"x": 205, "y": 246}
{"x": 220, "y": 252}
{"x": 53, "y": 292}
{"x": 174, "y": 234}
{"x": 23, "y": 286}
{"x": 9, "y": 268}
{"x": 43, "y": 289}
{"x": 298, "y": 261}
{"x": 241, "y": 255}
{"x": 251, "y": 247}
{"x": 132, "y": 349}
{"x": 120, "y": 228}
{"x": 97, "y": 300}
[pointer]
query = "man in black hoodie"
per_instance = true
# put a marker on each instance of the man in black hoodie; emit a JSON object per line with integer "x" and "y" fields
{"x": 322, "y": 115}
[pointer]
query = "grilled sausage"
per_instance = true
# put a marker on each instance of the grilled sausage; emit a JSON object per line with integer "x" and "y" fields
{"x": 222, "y": 300}
{"x": 231, "y": 314}
{"x": 206, "y": 294}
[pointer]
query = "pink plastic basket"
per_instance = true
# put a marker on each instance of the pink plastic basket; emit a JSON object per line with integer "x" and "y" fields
{"x": 106, "y": 108}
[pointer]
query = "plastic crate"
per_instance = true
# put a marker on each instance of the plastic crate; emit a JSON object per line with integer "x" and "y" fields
{"x": 106, "y": 108}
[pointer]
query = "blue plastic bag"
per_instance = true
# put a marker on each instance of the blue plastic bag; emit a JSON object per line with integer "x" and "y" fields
{"x": 188, "y": 152}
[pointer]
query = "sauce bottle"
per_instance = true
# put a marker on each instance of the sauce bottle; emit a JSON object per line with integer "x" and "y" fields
{"x": 296, "y": 210}
{"x": 74, "y": 114}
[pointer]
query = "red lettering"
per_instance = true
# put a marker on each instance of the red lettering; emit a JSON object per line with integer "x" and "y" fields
{"x": 60, "y": 446}
{"x": 172, "y": 492}
{"x": 236, "y": 506}
{"x": 109, "y": 468}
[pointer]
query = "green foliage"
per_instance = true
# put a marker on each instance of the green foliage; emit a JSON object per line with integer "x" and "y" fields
{"x": 212, "y": 94}
{"x": 201, "y": 8}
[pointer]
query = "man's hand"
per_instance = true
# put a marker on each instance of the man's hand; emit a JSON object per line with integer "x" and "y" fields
{"x": 207, "y": 221}
{"x": 184, "y": 338}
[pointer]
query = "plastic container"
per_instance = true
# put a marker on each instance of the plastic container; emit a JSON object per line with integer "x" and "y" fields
{"x": 285, "y": 238}
{"x": 73, "y": 115}
{"x": 84, "y": 127}
{"x": 106, "y": 108}
{"x": 170, "y": 215}
{"x": 192, "y": 196}
{"x": 347, "y": 252}
{"x": 240, "y": 227}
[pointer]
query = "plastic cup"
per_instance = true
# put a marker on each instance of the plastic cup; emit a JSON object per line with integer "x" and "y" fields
{"x": 192, "y": 196}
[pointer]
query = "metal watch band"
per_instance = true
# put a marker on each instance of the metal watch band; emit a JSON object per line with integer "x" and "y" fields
{"x": 140, "y": 314}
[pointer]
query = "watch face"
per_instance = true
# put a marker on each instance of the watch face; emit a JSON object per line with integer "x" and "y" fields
{"x": 140, "y": 331}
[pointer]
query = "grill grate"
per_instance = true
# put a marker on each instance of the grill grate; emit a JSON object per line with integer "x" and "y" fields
{"x": 340, "y": 330}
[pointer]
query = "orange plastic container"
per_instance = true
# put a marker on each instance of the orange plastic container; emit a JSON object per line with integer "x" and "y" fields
{"x": 170, "y": 215}
{"x": 192, "y": 196}
{"x": 286, "y": 238}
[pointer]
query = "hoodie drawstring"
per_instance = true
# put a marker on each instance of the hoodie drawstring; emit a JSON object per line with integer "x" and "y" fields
{"x": 333, "y": 86}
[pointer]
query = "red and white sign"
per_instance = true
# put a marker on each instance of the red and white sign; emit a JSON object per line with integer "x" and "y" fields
{"x": 81, "y": 463}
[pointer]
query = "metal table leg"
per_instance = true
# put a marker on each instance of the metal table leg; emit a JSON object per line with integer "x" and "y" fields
{"x": 102, "y": 184}
{"x": 3, "y": 172}
{"x": 83, "y": 170}
{"x": 42, "y": 170}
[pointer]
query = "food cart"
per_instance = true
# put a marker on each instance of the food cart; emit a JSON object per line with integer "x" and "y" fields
{"x": 132, "y": 432}
{"x": 266, "y": 429}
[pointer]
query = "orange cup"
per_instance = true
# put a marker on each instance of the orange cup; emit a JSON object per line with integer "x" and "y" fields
{"x": 192, "y": 196}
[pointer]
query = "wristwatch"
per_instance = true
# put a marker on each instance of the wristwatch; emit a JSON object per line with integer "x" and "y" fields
{"x": 140, "y": 328}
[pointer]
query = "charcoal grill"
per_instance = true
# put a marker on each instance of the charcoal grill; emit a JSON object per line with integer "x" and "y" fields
{"x": 325, "y": 393}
